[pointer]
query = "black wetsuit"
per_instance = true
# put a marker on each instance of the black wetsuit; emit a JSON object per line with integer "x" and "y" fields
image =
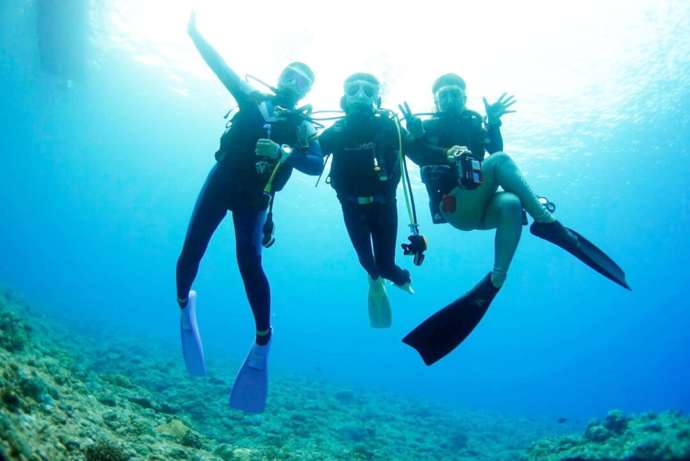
{"x": 441, "y": 132}
{"x": 365, "y": 172}
{"x": 236, "y": 184}
{"x": 447, "y": 130}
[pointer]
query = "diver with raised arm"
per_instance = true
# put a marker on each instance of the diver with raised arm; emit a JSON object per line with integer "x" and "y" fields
{"x": 267, "y": 137}
{"x": 463, "y": 188}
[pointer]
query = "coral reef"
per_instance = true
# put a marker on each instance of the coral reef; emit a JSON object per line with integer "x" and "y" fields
{"x": 69, "y": 397}
{"x": 646, "y": 437}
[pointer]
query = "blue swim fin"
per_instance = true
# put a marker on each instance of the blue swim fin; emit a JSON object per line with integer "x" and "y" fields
{"x": 251, "y": 384}
{"x": 192, "y": 349}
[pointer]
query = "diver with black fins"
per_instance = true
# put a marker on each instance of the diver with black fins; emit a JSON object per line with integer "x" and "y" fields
{"x": 365, "y": 172}
{"x": 450, "y": 149}
{"x": 266, "y": 139}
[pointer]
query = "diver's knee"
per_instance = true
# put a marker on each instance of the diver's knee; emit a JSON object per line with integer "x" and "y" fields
{"x": 509, "y": 204}
{"x": 497, "y": 157}
{"x": 494, "y": 163}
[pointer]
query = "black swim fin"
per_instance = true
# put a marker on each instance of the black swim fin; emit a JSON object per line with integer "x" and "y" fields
{"x": 581, "y": 248}
{"x": 438, "y": 335}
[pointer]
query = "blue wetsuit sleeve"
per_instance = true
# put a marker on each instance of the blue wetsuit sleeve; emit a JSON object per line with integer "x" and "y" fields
{"x": 495, "y": 138}
{"x": 309, "y": 161}
{"x": 239, "y": 89}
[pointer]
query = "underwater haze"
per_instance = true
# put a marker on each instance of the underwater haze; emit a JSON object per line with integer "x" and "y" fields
{"x": 109, "y": 127}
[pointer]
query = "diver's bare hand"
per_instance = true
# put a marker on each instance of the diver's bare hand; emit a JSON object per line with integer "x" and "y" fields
{"x": 413, "y": 124}
{"x": 415, "y": 127}
{"x": 495, "y": 111}
{"x": 455, "y": 151}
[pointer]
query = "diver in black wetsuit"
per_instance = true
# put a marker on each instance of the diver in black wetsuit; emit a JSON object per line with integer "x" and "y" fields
{"x": 450, "y": 149}
{"x": 365, "y": 172}
{"x": 267, "y": 138}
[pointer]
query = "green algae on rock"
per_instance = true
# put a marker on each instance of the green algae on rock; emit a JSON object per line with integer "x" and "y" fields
{"x": 105, "y": 451}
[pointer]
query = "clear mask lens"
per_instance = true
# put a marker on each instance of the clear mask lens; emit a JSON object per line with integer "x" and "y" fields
{"x": 354, "y": 88}
{"x": 296, "y": 80}
{"x": 449, "y": 93}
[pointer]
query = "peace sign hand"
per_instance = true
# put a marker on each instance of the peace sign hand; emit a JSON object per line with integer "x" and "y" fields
{"x": 495, "y": 111}
{"x": 414, "y": 124}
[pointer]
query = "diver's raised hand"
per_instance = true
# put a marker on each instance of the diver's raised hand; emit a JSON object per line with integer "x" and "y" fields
{"x": 495, "y": 111}
{"x": 413, "y": 124}
{"x": 191, "y": 24}
{"x": 270, "y": 149}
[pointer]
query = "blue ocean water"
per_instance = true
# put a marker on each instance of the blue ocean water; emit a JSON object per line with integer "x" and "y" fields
{"x": 100, "y": 175}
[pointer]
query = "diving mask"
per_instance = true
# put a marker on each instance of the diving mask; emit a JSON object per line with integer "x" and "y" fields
{"x": 295, "y": 80}
{"x": 361, "y": 93}
{"x": 450, "y": 97}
